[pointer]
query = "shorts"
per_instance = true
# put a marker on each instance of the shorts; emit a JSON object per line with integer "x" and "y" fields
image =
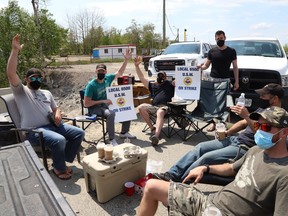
{"x": 187, "y": 200}
{"x": 152, "y": 110}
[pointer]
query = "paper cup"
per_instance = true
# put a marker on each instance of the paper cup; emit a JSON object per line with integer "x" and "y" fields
{"x": 100, "y": 149}
{"x": 129, "y": 188}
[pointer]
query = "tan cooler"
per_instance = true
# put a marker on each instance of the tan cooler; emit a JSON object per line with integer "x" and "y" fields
{"x": 108, "y": 179}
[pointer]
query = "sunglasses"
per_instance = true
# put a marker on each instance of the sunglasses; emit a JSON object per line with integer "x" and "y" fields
{"x": 39, "y": 79}
{"x": 264, "y": 126}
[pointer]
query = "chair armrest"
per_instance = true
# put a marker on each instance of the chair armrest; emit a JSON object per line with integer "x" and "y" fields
{"x": 70, "y": 119}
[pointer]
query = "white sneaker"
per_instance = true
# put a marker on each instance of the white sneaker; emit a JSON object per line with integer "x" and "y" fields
{"x": 113, "y": 142}
{"x": 127, "y": 135}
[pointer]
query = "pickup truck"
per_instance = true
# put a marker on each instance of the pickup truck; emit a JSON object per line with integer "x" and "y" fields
{"x": 146, "y": 58}
{"x": 260, "y": 61}
{"x": 179, "y": 54}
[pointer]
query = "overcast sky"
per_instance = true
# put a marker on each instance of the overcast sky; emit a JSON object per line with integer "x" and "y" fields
{"x": 201, "y": 18}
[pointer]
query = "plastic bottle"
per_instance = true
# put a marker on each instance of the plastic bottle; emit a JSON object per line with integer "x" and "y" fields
{"x": 241, "y": 100}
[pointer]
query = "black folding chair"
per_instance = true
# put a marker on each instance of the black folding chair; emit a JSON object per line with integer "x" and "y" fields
{"x": 86, "y": 122}
{"x": 211, "y": 107}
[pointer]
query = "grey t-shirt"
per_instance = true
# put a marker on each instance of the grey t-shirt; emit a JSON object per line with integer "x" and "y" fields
{"x": 33, "y": 105}
{"x": 260, "y": 186}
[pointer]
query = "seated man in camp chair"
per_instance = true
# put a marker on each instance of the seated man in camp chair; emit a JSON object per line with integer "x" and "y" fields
{"x": 216, "y": 151}
{"x": 35, "y": 105}
{"x": 96, "y": 100}
{"x": 260, "y": 186}
{"x": 162, "y": 92}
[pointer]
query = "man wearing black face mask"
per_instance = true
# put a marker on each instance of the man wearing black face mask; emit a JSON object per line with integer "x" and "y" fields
{"x": 219, "y": 151}
{"x": 96, "y": 99}
{"x": 221, "y": 58}
{"x": 162, "y": 92}
{"x": 35, "y": 106}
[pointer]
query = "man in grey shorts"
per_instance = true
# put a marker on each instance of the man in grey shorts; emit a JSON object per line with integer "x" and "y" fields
{"x": 161, "y": 91}
{"x": 260, "y": 186}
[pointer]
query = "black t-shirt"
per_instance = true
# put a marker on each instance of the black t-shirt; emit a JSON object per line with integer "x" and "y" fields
{"x": 221, "y": 61}
{"x": 161, "y": 93}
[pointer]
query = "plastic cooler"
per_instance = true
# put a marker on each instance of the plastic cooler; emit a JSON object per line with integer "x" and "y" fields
{"x": 108, "y": 179}
{"x": 26, "y": 188}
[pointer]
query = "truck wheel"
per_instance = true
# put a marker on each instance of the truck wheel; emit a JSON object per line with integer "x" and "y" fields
{"x": 149, "y": 73}
{"x": 146, "y": 64}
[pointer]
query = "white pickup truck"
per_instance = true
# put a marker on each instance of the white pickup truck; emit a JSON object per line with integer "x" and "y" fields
{"x": 178, "y": 54}
{"x": 260, "y": 61}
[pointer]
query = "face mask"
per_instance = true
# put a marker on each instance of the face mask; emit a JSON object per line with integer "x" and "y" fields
{"x": 160, "y": 80}
{"x": 264, "y": 103}
{"x": 220, "y": 43}
{"x": 35, "y": 85}
{"x": 100, "y": 76}
{"x": 264, "y": 139}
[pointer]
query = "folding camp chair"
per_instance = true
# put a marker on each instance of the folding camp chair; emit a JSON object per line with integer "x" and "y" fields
{"x": 14, "y": 114}
{"x": 211, "y": 107}
{"x": 89, "y": 119}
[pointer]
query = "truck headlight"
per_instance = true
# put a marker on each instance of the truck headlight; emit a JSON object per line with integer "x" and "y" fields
{"x": 191, "y": 62}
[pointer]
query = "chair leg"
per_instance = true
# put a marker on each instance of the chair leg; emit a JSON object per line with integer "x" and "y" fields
{"x": 43, "y": 151}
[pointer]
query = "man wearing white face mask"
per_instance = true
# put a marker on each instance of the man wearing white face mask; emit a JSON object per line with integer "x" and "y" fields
{"x": 260, "y": 186}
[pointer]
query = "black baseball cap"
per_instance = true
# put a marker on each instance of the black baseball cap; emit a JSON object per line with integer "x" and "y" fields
{"x": 101, "y": 67}
{"x": 161, "y": 73}
{"x": 34, "y": 71}
{"x": 273, "y": 89}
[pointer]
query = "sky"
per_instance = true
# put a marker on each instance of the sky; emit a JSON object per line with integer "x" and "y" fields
{"x": 201, "y": 18}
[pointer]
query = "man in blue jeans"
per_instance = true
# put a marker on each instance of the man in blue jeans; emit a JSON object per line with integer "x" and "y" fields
{"x": 34, "y": 105}
{"x": 216, "y": 151}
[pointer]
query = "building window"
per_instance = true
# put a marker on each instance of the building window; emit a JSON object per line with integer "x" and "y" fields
{"x": 119, "y": 50}
{"x": 106, "y": 51}
{"x": 132, "y": 49}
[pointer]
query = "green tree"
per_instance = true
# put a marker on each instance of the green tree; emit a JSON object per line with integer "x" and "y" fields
{"x": 15, "y": 20}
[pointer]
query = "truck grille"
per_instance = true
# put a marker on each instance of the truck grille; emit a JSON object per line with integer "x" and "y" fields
{"x": 251, "y": 79}
{"x": 168, "y": 65}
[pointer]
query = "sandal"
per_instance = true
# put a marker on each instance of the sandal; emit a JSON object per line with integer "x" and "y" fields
{"x": 212, "y": 127}
{"x": 69, "y": 170}
{"x": 62, "y": 175}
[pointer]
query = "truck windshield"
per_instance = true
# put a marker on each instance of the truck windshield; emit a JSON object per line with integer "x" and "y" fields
{"x": 256, "y": 48}
{"x": 182, "y": 48}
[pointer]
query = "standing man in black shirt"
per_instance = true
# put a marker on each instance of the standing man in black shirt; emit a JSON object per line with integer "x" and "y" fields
{"x": 221, "y": 58}
{"x": 161, "y": 91}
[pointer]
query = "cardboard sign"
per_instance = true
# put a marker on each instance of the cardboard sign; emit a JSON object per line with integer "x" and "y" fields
{"x": 122, "y": 102}
{"x": 187, "y": 83}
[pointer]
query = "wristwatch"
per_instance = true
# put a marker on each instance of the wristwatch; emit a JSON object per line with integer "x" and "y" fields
{"x": 208, "y": 168}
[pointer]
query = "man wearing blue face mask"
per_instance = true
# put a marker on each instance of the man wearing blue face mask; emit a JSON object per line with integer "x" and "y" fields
{"x": 260, "y": 186}
{"x": 219, "y": 151}
{"x": 35, "y": 106}
{"x": 97, "y": 102}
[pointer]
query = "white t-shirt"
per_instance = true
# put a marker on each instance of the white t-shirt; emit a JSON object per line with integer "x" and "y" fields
{"x": 33, "y": 105}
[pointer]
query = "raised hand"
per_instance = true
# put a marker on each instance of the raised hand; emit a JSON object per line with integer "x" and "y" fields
{"x": 137, "y": 61}
{"x": 128, "y": 54}
{"x": 16, "y": 43}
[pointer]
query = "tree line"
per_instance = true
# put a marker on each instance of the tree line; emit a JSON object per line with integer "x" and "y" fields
{"x": 43, "y": 37}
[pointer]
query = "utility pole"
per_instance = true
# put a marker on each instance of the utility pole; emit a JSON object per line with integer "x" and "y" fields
{"x": 164, "y": 24}
{"x": 185, "y": 34}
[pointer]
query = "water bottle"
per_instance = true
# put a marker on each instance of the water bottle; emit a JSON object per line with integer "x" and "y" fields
{"x": 241, "y": 100}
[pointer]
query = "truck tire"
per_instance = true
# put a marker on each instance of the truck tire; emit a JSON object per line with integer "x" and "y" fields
{"x": 146, "y": 64}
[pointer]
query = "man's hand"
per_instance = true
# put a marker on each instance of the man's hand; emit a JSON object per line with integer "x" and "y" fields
{"x": 16, "y": 43}
{"x": 241, "y": 111}
{"x": 108, "y": 102}
{"x": 196, "y": 173}
{"x": 58, "y": 117}
{"x": 137, "y": 61}
{"x": 127, "y": 55}
{"x": 236, "y": 86}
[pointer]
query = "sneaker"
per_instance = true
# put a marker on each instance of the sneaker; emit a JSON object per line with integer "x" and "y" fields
{"x": 154, "y": 140}
{"x": 113, "y": 142}
{"x": 127, "y": 135}
{"x": 163, "y": 176}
